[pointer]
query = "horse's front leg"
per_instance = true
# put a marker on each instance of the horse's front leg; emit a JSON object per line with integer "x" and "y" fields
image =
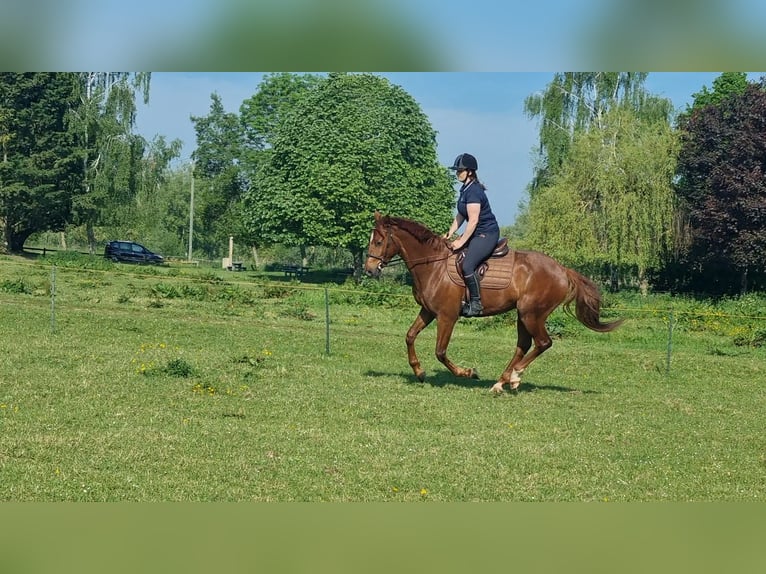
{"x": 423, "y": 320}
{"x": 444, "y": 327}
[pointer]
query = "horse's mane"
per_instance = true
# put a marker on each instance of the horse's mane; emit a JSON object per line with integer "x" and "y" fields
{"x": 417, "y": 230}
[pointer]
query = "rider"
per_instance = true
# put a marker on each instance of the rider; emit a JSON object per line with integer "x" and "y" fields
{"x": 481, "y": 232}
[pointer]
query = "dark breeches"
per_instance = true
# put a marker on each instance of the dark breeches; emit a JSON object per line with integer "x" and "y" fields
{"x": 478, "y": 249}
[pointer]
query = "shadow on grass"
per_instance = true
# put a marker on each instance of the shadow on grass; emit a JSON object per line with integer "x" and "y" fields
{"x": 445, "y": 378}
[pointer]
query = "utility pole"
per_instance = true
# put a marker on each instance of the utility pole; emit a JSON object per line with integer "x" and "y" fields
{"x": 191, "y": 213}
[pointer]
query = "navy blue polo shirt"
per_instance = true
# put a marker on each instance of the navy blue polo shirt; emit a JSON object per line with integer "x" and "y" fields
{"x": 473, "y": 193}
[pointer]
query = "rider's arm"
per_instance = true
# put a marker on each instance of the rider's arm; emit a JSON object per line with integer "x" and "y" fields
{"x": 473, "y": 220}
{"x": 456, "y": 223}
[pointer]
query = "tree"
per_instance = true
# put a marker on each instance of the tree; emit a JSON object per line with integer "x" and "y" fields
{"x": 277, "y": 96}
{"x": 722, "y": 166}
{"x": 40, "y": 168}
{"x": 102, "y": 125}
{"x": 261, "y": 114}
{"x": 724, "y": 86}
{"x": 353, "y": 144}
{"x": 576, "y": 101}
{"x": 159, "y": 214}
{"x": 217, "y": 162}
{"x": 613, "y": 202}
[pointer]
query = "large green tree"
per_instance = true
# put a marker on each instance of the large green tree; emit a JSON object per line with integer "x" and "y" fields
{"x": 352, "y": 144}
{"x": 276, "y": 97}
{"x": 261, "y": 114}
{"x": 40, "y": 171}
{"x": 722, "y": 185}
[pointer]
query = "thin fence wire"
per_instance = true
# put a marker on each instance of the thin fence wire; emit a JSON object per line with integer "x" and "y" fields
{"x": 322, "y": 304}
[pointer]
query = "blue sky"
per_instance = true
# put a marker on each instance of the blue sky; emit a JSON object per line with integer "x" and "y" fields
{"x": 481, "y": 113}
{"x": 446, "y": 35}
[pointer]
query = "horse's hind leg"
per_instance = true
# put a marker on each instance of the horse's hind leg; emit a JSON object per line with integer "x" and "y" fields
{"x": 422, "y": 321}
{"x": 510, "y": 375}
{"x": 534, "y": 325}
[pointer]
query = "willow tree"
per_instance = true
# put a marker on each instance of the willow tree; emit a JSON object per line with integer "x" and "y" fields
{"x": 103, "y": 125}
{"x": 352, "y": 144}
{"x": 612, "y": 205}
{"x": 575, "y": 102}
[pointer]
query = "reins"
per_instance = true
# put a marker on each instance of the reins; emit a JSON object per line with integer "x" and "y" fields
{"x": 412, "y": 263}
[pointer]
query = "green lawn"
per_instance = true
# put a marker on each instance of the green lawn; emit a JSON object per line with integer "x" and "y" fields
{"x": 191, "y": 385}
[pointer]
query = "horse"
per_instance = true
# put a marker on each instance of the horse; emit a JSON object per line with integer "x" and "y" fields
{"x": 535, "y": 286}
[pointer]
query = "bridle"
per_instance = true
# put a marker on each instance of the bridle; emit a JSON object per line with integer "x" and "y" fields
{"x": 383, "y": 263}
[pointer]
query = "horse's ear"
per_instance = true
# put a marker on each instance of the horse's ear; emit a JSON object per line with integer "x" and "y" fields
{"x": 377, "y": 216}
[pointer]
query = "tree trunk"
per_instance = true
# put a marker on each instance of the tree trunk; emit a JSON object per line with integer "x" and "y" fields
{"x": 254, "y": 250}
{"x": 4, "y": 246}
{"x": 91, "y": 237}
{"x": 743, "y": 282}
{"x": 357, "y": 256}
{"x": 614, "y": 279}
{"x": 16, "y": 240}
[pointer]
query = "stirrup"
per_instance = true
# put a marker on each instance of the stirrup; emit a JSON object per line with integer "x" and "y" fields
{"x": 473, "y": 308}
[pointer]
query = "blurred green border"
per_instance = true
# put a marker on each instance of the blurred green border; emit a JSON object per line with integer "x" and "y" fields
{"x": 391, "y": 538}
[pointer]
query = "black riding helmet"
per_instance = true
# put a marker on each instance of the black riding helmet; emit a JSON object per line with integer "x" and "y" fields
{"x": 465, "y": 161}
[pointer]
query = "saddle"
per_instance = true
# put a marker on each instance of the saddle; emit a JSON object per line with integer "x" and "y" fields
{"x": 493, "y": 273}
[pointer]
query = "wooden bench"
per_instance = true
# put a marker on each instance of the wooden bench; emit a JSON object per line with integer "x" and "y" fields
{"x": 294, "y": 270}
{"x": 236, "y": 266}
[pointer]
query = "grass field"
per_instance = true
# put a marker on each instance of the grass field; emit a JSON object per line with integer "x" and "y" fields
{"x": 170, "y": 384}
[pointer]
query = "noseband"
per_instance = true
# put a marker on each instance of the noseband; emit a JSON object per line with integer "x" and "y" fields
{"x": 383, "y": 262}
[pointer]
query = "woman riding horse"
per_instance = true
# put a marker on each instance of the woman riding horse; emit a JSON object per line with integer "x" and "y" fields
{"x": 481, "y": 232}
{"x": 534, "y": 285}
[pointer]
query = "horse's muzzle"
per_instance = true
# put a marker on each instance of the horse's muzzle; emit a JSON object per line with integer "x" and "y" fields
{"x": 373, "y": 267}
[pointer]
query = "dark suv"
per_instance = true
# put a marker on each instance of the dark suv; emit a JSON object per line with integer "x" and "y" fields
{"x": 131, "y": 252}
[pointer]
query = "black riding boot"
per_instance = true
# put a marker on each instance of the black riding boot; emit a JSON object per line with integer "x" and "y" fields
{"x": 473, "y": 308}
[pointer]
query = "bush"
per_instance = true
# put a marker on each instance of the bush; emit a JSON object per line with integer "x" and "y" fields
{"x": 17, "y": 286}
{"x": 77, "y": 260}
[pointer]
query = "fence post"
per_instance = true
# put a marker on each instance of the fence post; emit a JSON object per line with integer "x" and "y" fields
{"x": 327, "y": 320}
{"x": 670, "y": 340}
{"x": 53, "y": 299}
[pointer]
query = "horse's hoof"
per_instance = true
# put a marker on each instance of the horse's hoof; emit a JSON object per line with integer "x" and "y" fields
{"x": 474, "y": 373}
{"x": 497, "y": 389}
{"x": 421, "y": 376}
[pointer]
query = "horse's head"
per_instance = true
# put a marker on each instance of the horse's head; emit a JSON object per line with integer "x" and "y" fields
{"x": 382, "y": 246}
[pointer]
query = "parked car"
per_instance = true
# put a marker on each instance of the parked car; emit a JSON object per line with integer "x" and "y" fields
{"x": 131, "y": 252}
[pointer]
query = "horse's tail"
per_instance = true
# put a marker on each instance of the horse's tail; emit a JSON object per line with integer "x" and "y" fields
{"x": 587, "y": 298}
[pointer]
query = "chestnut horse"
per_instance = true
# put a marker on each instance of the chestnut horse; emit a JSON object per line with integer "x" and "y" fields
{"x": 537, "y": 285}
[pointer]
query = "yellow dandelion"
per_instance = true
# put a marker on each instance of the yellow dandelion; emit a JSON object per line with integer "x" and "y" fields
{"x": 423, "y": 492}
{"x": 395, "y": 489}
